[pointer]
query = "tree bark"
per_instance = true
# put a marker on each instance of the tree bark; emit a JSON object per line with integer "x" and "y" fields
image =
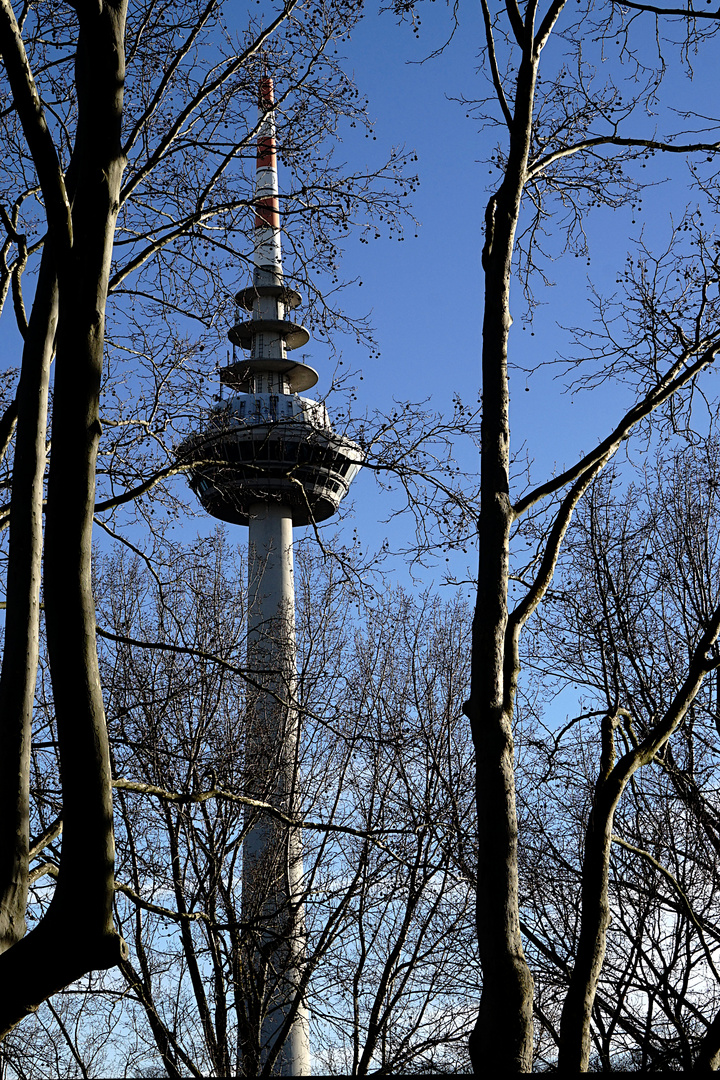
{"x": 77, "y": 934}
{"x": 85, "y": 884}
{"x": 502, "y": 1038}
{"x": 574, "y": 1055}
{"x": 574, "y": 1052}
{"x": 708, "y": 1058}
{"x": 22, "y": 614}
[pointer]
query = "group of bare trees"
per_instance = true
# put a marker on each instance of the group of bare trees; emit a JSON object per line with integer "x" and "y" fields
{"x": 463, "y": 842}
{"x": 571, "y": 140}
{"x": 386, "y": 786}
{"x": 126, "y": 191}
{"x": 628, "y": 617}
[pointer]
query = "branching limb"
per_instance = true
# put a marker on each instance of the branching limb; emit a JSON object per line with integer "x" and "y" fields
{"x": 186, "y": 798}
{"x": 39, "y": 843}
{"x": 51, "y": 869}
{"x": 687, "y": 13}
{"x": 560, "y": 525}
{"x": 679, "y": 890}
{"x": 516, "y": 21}
{"x": 548, "y": 24}
{"x": 494, "y": 70}
{"x": 29, "y": 107}
{"x": 157, "y": 909}
{"x": 615, "y": 140}
{"x": 184, "y": 650}
{"x": 657, "y": 396}
{"x": 147, "y": 485}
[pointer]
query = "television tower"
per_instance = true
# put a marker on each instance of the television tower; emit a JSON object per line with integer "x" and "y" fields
{"x": 269, "y": 459}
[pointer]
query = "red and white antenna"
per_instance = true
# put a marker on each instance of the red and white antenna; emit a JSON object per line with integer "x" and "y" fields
{"x": 269, "y": 334}
{"x": 268, "y": 248}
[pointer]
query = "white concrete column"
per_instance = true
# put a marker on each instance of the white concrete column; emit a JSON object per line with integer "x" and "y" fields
{"x": 272, "y": 852}
{"x": 270, "y": 571}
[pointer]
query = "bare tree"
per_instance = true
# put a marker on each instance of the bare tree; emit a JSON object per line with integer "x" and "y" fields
{"x": 567, "y": 139}
{"x": 126, "y": 124}
{"x": 627, "y": 623}
{"x": 385, "y": 794}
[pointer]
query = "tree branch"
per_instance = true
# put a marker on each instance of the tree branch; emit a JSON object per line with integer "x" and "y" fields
{"x": 32, "y": 117}
{"x": 615, "y": 140}
{"x": 516, "y": 22}
{"x": 495, "y": 72}
{"x": 546, "y": 26}
{"x": 552, "y": 549}
{"x": 684, "y": 12}
{"x": 657, "y": 396}
{"x": 183, "y": 798}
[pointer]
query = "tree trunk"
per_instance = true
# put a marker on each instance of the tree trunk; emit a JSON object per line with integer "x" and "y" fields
{"x": 708, "y": 1058}
{"x": 574, "y": 1054}
{"x": 77, "y": 934}
{"x": 502, "y": 1038}
{"x": 85, "y": 884}
{"x": 22, "y": 615}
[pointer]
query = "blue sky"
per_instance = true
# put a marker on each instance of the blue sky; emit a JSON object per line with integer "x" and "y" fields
{"x": 425, "y": 294}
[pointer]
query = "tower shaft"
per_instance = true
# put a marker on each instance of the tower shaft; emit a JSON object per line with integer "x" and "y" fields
{"x": 267, "y": 255}
{"x": 269, "y": 459}
{"x": 273, "y": 903}
{"x": 272, "y": 851}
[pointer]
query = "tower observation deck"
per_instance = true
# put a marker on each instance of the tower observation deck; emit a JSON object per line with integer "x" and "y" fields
{"x": 266, "y": 443}
{"x": 269, "y": 459}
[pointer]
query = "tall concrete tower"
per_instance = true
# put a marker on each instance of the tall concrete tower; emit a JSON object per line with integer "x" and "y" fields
{"x": 269, "y": 459}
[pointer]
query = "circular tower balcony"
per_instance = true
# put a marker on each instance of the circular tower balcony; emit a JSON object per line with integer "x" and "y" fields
{"x": 270, "y": 448}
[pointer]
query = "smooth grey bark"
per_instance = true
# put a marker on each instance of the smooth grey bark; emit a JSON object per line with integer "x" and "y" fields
{"x": 502, "y": 1037}
{"x": 22, "y": 612}
{"x": 77, "y": 934}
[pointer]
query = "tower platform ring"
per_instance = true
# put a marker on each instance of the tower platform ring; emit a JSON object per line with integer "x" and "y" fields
{"x": 240, "y": 374}
{"x": 292, "y": 333}
{"x": 247, "y": 297}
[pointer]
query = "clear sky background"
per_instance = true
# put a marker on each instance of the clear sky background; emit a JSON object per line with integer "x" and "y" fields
{"x": 425, "y": 294}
